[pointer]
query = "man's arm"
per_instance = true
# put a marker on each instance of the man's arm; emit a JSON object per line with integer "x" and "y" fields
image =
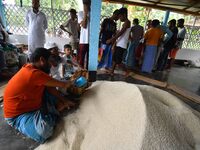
{"x": 85, "y": 17}
{"x": 63, "y": 102}
{"x": 126, "y": 25}
{"x": 63, "y": 28}
{"x": 56, "y": 83}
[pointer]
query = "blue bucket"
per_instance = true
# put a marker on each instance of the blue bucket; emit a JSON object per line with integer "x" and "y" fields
{"x": 80, "y": 82}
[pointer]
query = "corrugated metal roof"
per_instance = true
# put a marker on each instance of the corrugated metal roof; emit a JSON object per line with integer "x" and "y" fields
{"x": 181, "y": 6}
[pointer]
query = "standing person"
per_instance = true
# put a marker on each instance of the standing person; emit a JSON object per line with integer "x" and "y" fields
{"x": 71, "y": 27}
{"x": 121, "y": 39}
{"x": 2, "y": 35}
{"x": 68, "y": 64}
{"x": 168, "y": 46}
{"x": 108, "y": 30}
{"x": 3, "y": 29}
{"x": 179, "y": 43}
{"x": 167, "y": 35}
{"x": 152, "y": 38}
{"x": 84, "y": 21}
{"x": 148, "y": 25}
{"x": 136, "y": 35}
{"x": 37, "y": 24}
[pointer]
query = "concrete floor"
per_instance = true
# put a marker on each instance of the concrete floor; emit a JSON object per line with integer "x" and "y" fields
{"x": 187, "y": 78}
{"x": 184, "y": 77}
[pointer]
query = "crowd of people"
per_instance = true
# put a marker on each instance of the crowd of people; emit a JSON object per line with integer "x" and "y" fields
{"x": 35, "y": 115}
{"x": 133, "y": 46}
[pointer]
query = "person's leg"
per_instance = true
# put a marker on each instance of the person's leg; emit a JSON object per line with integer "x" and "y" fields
{"x": 171, "y": 62}
{"x": 163, "y": 58}
{"x": 35, "y": 125}
{"x": 129, "y": 63}
{"x": 38, "y": 125}
{"x": 130, "y": 57}
{"x": 129, "y": 54}
{"x": 172, "y": 56}
{"x": 109, "y": 57}
{"x": 103, "y": 58}
{"x": 159, "y": 49}
{"x": 114, "y": 61}
{"x": 82, "y": 52}
{"x": 118, "y": 56}
{"x": 149, "y": 57}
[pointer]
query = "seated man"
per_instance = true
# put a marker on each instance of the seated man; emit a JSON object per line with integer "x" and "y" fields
{"x": 31, "y": 101}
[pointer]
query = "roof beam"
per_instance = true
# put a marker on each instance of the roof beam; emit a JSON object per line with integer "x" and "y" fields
{"x": 153, "y": 6}
{"x": 193, "y": 4}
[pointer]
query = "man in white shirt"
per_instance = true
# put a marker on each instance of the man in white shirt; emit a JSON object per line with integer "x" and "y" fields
{"x": 37, "y": 24}
{"x": 180, "y": 38}
{"x": 121, "y": 39}
{"x": 71, "y": 27}
{"x": 84, "y": 40}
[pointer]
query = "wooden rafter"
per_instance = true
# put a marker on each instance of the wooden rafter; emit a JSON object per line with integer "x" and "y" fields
{"x": 155, "y": 6}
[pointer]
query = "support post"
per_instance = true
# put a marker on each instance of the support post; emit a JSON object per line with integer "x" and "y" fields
{"x": 95, "y": 14}
{"x": 165, "y": 20}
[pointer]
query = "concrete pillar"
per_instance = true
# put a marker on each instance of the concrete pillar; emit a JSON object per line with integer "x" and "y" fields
{"x": 165, "y": 20}
{"x": 95, "y": 14}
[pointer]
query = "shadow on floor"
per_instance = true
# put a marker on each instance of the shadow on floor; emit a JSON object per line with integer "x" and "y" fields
{"x": 10, "y": 139}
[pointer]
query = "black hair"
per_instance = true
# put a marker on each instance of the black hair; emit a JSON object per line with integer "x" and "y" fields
{"x": 52, "y": 48}
{"x": 67, "y": 46}
{"x": 40, "y": 52}
{"x": 181, "y": 21}
{"x": 136, "y": 21}
{"x": 54, "y": 58}
{"x": 123, "y": 11}
{"x": 155, "y": 23}
{"x": 73, "y": 11}
{"x": 87, "y": 2}
{"x": 173, "y": 22}
{"x": 116, "y": 12}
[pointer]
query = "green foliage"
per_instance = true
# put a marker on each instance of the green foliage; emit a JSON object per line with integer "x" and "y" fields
{"x": 65, "y": 4}
{"x": 107, "y": 9}
{"x": 138, "y": 12}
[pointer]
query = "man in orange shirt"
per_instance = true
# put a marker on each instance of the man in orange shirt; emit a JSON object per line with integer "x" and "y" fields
{"x": 152, "y": 39}
{"x": 31, "y": 101}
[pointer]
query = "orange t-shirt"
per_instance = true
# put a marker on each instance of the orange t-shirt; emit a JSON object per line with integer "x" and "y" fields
{"x": 24, "y": 91}
{"x": 153, "y": 36}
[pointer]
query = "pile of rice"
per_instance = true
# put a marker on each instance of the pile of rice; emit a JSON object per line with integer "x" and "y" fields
{"x": 122, "y": 116}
